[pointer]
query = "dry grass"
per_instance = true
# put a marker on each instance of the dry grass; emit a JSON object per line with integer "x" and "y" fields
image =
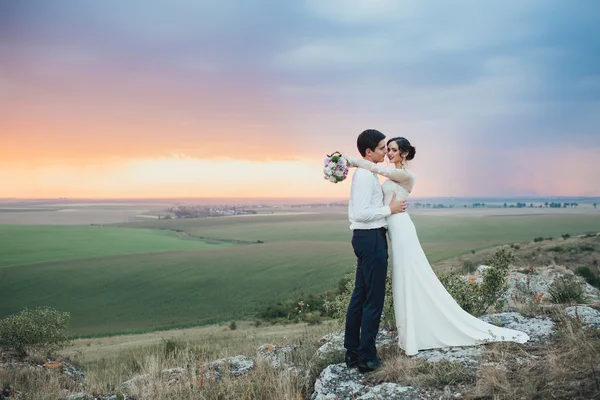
{"x": 106, "y": 375}
{"x": 564, "y": 369}
{"x": 411, "y": 371}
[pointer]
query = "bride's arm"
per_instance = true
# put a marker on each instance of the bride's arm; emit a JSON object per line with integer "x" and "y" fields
{"x": 399, "y": 176}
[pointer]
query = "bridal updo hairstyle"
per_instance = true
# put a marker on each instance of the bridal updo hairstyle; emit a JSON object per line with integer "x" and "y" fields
{"x": 405, "y": 146}
{"x": 368, "y": 139}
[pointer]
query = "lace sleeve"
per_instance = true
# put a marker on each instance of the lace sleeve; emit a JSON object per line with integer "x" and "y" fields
{"x": 399, "y": 176}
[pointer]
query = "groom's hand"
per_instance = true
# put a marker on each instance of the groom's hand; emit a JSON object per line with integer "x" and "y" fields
{"x": 397, "y": 206}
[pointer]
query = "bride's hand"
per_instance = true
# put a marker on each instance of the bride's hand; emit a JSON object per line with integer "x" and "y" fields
{"x": 348, "y": 159}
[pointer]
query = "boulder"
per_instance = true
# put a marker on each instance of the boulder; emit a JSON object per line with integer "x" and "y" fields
{"x": 235, "y": 366}
{"x": 340, "y": 382}
{"x": 467, "y": 356}
{"x": 538, "y": 328}
{"x": 587, "y": 315}
{"x": 277, "y": 356}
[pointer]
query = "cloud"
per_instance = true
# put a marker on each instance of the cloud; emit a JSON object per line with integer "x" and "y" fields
{"x": 286, "y": 80}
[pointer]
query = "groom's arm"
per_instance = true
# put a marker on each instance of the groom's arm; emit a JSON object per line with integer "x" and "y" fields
{"x": 362, "y": 190}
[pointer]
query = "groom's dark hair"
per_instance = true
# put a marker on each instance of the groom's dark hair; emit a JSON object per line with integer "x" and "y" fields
{"x": 368, "y": 139}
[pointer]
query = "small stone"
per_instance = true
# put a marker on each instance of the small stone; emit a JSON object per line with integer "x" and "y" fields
{"x": 391, "y": 391}
{"x": 136, "y": 380}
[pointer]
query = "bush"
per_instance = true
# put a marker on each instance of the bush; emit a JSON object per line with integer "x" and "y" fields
{"x": 565, "y": 236}
{"x": 589, "y": 276}
{"x": 566, "y": 290}
{"x": 538, "y": 239}
{"x": 233, "y": 325}
{"x": 43, "y": 329}
{"x": 170, "y": 346}
{"x": 476, "y": 298}
{"x": 469, "y": 266}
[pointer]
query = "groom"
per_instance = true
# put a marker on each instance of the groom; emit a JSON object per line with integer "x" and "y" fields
{"x": 367, "y": 221}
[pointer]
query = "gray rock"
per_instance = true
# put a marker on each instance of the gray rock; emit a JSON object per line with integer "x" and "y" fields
{"x": 236, "y": 366}
{"x": 538, "y": 329}
{"x": 391, "y": 391}
{"x": 536, "y": 284}
{"x": 277, "y": 356}
{"x": 79, "y": 396}
{"x": 173, "y": 375}
{"x": 587, "y": 315}
{"x": 467, "y": 356}
{"x": 137, "y": 379}
{"x": 338, "y": 382}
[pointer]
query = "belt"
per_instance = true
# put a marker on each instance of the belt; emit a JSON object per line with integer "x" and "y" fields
{"x": 382, "y": 229}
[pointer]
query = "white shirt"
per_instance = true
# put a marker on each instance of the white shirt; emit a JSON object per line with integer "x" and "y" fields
{"x": 365, "y": 208}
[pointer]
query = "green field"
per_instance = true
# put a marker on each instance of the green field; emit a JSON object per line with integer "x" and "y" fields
{"x": 145, "y": 276}
{"x": 24, "y": 244}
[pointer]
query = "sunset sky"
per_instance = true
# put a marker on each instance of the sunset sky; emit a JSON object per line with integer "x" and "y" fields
{"x": 241, "y": 98}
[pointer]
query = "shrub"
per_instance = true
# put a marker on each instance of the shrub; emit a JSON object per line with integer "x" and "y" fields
{"x": 469, "y": 266}
{"x": 170, "y": 346}
{"x": 566, "y": 289}
{"x": 565, "y": 236}
{"x": 557, "y": 249}
{"x": 538, "y": 239}
{"x": 550, "y": 238}
{"x": 233, "y": 325}
{"x": 43, "y": 329}
{"x": 475, "y": 298}
{"x": 257, "y": 322}
{"x": 589, "y": 276}
{"x": 312, "y": 318}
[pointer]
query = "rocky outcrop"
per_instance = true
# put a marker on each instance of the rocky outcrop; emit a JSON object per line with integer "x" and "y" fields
{"x": 537, "y": 328}
{"x": 536, "y": 282}
{"x": 588, "y": 316}
{"x": 340, "y": 382}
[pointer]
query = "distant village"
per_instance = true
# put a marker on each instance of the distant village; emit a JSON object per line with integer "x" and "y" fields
{"x": 195, "y": 211}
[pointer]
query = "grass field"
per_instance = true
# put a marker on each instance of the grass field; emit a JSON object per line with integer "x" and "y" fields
{"x": 23, "y": 244}
{"x": 144, "y": 276}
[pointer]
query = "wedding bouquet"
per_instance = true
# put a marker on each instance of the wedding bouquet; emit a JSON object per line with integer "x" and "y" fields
{"x": 335, "y": 168}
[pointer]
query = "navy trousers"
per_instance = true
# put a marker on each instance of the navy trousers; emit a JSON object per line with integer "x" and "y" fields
{"x": 364, "y": 312}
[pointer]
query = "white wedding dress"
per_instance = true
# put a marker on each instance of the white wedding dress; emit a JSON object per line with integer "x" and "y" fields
{"x": 427, "y": 316}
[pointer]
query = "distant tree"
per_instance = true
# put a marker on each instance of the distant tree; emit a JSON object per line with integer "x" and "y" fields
{"x": 546, "y": 204}
{"x": 595, "y": 205}
{"x": 504, "y": 205}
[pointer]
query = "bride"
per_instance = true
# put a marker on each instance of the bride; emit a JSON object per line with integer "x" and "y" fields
{"x": 426, "y": 315}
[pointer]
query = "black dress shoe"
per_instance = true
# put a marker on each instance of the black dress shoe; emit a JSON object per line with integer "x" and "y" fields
{"x": 351, "y": 359}
{"x": 369, "y": 366}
